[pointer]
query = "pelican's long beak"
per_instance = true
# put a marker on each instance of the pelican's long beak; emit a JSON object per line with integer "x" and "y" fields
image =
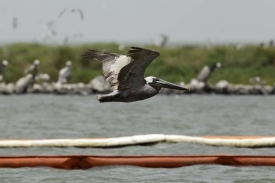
{"x": 166, "y": 84}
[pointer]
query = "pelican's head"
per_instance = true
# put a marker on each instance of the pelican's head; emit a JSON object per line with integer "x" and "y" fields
{"x": 36, "y": 62}
{"x": 159, "y": 83}
{"x": 68, "y": 63}
{"x": 5, "y": 63}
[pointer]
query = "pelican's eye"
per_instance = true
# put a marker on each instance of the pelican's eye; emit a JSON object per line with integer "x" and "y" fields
{"x": 155, "y": 80}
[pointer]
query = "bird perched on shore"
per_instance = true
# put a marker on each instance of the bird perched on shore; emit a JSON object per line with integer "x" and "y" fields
{"x": 33, "y": 69}
{"x": 23, "y": 84}
{"x": 207, "y": 71}
{"x": 65, "y": 73}
{"x": 125, "y": 74}
{"x": 3, "y": 66}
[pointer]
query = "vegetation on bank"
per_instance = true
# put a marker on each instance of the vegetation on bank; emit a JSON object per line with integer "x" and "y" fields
{"x": 175, "y": 64}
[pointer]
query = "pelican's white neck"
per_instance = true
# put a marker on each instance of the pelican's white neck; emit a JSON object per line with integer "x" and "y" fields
{"x": 149, "y": 79}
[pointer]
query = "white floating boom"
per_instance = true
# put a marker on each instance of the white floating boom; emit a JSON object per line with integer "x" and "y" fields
{"x": 233, "y": 141}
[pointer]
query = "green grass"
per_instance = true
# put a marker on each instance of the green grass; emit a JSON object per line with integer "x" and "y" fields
{"x": 179, "y": 63}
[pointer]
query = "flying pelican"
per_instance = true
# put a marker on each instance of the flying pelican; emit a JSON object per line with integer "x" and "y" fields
{"x": 164, "y": 40}
{"x": 65, "y": 40}
{"x": 125, "y": 74}
{"x": 50, "y": 31}
{"x": 65, "y": 73}
{"x": 74, "y": 36}
{"x": 77, "y": 35}
{"x": 72, "y": 10}
{"x": 14, "y": 22}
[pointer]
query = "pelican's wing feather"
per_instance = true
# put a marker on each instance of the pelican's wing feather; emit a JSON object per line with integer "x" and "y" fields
{"x": 62, "y": 12}
{"x": 80, "y": 13}
{"x": 112, "y": 63}
{"x": 132, "y": 75}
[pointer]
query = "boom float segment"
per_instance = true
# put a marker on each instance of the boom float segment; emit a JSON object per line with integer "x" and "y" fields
{"x": 86, "y": 161}
{"x": 231, "y": 141}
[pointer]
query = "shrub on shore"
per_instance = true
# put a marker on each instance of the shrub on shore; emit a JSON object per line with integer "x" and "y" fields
{"x": 175, "y": 64}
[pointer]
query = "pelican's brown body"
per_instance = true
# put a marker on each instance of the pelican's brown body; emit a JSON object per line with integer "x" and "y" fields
{"x": 129, "y": 95}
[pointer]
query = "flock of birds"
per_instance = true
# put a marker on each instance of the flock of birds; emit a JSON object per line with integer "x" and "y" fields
{"x": 124, "y": 79}
{"x": 49, "y": 27}
{"x": 35, "y": 82}
{"x": 51, "y": 32}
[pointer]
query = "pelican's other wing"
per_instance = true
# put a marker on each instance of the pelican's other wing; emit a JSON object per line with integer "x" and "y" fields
{"x": 80, "y": 13}
{"x": 132, "y": 75}
{"x": 62, "y": 12}
{"x": 112, "y": 64}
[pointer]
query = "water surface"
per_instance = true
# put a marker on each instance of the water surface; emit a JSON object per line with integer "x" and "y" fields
{"x": 50, "y": 116}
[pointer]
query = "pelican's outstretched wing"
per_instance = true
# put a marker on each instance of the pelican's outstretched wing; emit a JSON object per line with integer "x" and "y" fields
{"x": 112, "y": 64}
{"x": 63, "y": 11}
{"x": 132, "y": 75}
{"x": 72, "y": 10}
{"x": 80, "y": 13}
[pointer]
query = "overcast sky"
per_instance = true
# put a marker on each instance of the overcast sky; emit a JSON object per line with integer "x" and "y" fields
{"x": 142, "y": 21}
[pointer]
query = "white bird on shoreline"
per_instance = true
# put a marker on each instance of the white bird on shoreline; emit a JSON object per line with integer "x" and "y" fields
{"x": 65, "y": 73}
{"x": 2, "y": 69}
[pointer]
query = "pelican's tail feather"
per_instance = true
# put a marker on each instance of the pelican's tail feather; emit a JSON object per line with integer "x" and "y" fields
{"x": 111, "y": 97}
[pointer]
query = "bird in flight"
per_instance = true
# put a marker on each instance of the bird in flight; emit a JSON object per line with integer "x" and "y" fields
{"x": 15, "y": 22}
{"x": 72, "y": 10}
{"x": 125, "y": 74}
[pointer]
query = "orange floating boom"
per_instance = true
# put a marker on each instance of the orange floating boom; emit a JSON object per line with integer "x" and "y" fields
{"x": 87, "y": 161}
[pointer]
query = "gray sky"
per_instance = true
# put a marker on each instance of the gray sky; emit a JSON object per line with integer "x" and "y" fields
{"x": 184, "y": 21}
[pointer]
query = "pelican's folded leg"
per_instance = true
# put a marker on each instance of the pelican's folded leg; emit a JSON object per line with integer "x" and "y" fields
{"x": 108, "y": 97}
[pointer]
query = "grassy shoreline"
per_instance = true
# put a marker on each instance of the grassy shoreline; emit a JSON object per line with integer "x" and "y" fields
{"x": 175, "y": 64}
